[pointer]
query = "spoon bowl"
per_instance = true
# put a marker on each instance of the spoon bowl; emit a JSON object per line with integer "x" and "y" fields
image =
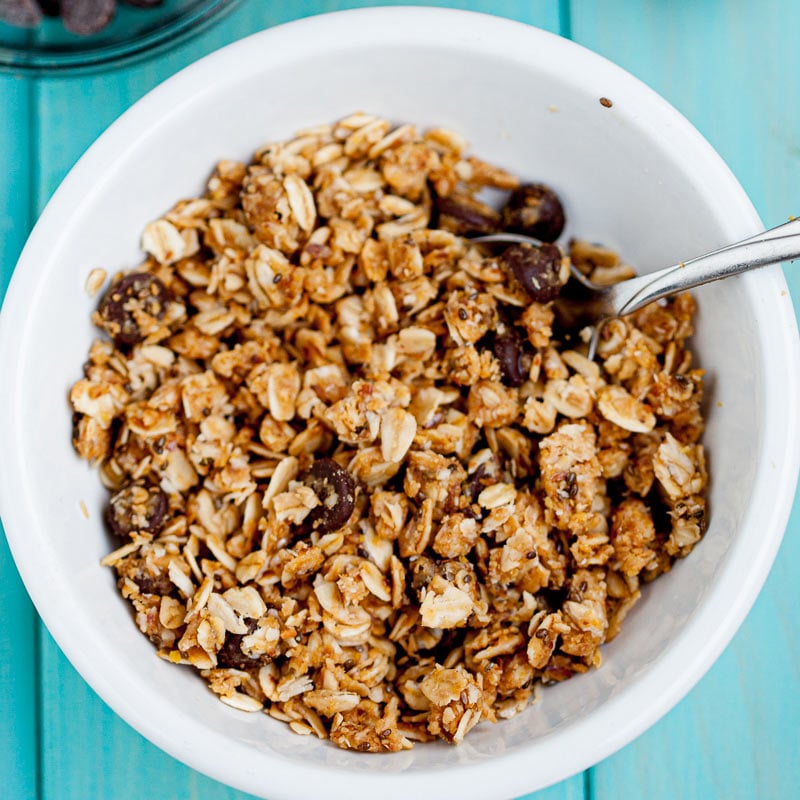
{"x": 588, "y": 304}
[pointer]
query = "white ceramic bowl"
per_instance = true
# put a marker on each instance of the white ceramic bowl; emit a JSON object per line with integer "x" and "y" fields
{"x": 635, "y": 175}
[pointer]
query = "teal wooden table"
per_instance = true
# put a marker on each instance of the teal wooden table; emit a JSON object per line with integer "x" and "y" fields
{"x": 731, "y": 68}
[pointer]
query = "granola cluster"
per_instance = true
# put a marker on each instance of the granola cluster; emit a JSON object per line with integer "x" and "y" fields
{"x": 360, "y": 479}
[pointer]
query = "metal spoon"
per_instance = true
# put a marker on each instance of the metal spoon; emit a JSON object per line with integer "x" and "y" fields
{"x": 595, "y": 304}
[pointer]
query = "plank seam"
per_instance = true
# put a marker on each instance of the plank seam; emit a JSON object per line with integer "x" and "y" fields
{"x": 565, "y": 18}
{"x": 588, "y": 784}
{"x": 32, "y": 214}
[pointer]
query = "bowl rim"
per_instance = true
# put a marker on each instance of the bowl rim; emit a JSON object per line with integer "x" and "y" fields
{"x": 720, "y": 613}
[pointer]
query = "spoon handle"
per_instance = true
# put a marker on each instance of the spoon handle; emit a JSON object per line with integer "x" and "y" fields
{"x": 768, "y": 247}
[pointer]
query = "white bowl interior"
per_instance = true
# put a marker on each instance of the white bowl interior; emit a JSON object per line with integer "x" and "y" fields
{"x": 633, "y": 176}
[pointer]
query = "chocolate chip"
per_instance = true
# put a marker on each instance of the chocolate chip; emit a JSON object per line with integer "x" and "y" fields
{"x": 137, "y": 508}
{"x": 537, "y": 268}
{"x": 336, "y": 490}
{"x": 534, "y": 210}
{"x": 231, "y": 654}
{"x": 50, "y": 8}
{"x": 154, "y": 584}
{"x": 138, "y": 291}
{"x": 22, "y": 13}
{"x": 464, "y": 215}
{"x": 507, "y": 349}
{"x": 86, "y": 17}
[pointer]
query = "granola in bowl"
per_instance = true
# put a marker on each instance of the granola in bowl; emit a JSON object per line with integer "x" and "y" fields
{"x": 359, "y": 478}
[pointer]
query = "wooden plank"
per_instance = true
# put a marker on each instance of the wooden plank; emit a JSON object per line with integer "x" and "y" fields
{"x": 17, "y": 633}
{"x": 545, "y": 14}
{"x": 88, "y": 751}
{"x": 574, "y": 788}
{"x": 729, "y": 68}
{"x": 15, "y": 154}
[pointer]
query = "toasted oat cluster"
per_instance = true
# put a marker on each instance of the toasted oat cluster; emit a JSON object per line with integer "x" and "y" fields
{"x": 359, "y": 478}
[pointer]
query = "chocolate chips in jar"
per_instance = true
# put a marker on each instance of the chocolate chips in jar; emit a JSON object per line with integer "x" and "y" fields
{"x": 22, "y": 13}
{"x": 86, "y": 17}
{"x": 81, "y": 17}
